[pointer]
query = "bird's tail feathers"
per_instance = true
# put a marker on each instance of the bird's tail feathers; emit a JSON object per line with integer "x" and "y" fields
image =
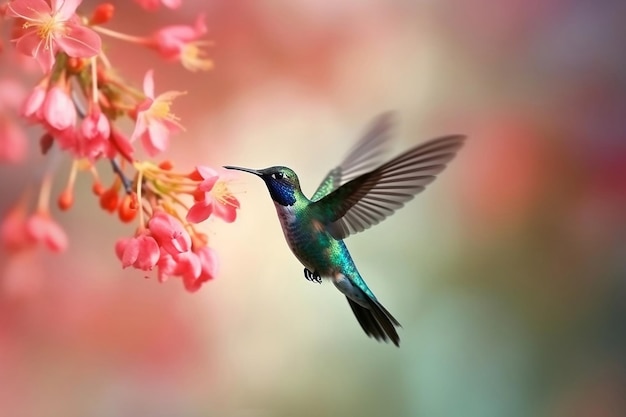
{"x": 376, "y": 321}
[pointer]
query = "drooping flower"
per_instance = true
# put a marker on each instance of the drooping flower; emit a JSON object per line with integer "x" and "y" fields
{"x": 153, "y": 5}
{"x": 188, "y": 266}
{"x": 13, "y": 140}
{"x": 32, "y": 108}
{"x": 141, "y": 251}
{"x": 212, "y": 198}
{"x": 58, "y": 109}
{"x": 50, "y": 27}
{"x": 12, "y": 94}
{"x": 42, "y": 228}
{"x": 194, "y": 267}
{"x": 208, "y": 265}
{"x": 95, "y": 131}
{"x": 13, "y": 234}
{"x": 155, "y": 122}
{"x": 169, "y": 233}
{"x": 182, "y": 43}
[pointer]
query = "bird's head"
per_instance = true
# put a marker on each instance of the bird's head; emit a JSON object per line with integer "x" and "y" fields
{"x": 282, "y": 183}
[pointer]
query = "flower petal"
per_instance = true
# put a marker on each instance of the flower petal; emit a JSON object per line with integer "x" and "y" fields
{"x": 148, "y": 84}
{"x": 199, "y": 212}
{"x": 141, "y": 126}
{"x": 169, "y": 232}
{"x": 130, "y": 253}
{"x": 79, "y": 41}
{"x": 13, "y": 141}
{"x": 58, "y": 109}
{"x": 31, "y": 44}
{"x": 228, "y": 211}
{"x": 172, "y": 4}
{"x": 65, "y": 8}
{"x": 30, "y": 10}
{"x": 148, "y": 253}
{"x": 206, "y": 172}
{"x": 156, "y": 140}
{"x": 208, "y": 184}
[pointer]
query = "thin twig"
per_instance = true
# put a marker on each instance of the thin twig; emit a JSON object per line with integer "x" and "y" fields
{"x": 128, "y": 186}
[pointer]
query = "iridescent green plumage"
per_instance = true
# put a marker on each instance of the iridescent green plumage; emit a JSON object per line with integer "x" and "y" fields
{"x": 352, "y": 198}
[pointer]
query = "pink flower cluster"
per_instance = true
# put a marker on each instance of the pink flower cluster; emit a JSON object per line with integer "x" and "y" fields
{"x": 168, "y": 246}
{"x": 78, "y": 103}
{"x": 19, "y": 231}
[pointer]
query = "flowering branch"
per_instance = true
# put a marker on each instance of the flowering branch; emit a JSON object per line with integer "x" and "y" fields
{"x": 78, "y": 102}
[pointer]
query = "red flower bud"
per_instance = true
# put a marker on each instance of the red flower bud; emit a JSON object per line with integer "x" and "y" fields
{"x": 102, "y": 14}
{"x": 66, "y": 199}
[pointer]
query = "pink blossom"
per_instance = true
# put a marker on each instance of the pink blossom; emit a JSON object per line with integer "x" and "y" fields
{"x": 153, "y": 5}
{"x": 141, "y": 251}
{"x": 50, "y": 27}
{"x": 194, "y": 267}
{"x": 169, "y": 233}
{"x": 166, "y": 266}
{"x": 212, "y": 197}
{"x": 33, "y": 105}
{"x": 42, "y": 228}
{"x": 13, "y": 140}
{"x": 181, "y": 43}
{"x": 12, "y": 94}
{"x": 95, "y": 131}
{"x": 13, "y": 234}
{"x": 208, "y": 271}
{"x": 188, "y": 266}
{"x": 155, "y": 122}
{"x": 68, "y": 140}
{"x": 58, "y": 109}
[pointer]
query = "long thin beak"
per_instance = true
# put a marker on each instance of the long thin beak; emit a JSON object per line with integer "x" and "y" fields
{"x": 251, "y": 171}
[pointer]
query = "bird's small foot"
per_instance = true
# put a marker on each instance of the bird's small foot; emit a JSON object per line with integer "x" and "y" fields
{"x": 312, "y": 276}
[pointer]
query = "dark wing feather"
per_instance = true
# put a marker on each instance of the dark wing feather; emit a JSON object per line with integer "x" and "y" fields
{"x": 374, "y": 196}
{"x": 363, "y": 156}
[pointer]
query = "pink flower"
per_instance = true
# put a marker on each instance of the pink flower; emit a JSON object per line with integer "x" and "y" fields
{"x": 95, "y": 131}
{"x": 58, "y": 109}
{"x": 141, "y": 251}
{"x": 212, "y": 197}
{"x": 42, "y": 228}
{"x": 166, "y": 265}
{"x": 180, "y": 43}
{"x": 194, "y": 268}
{"x": 188, "y": 266}
{"x": 13, "y": 234}
{"x": 33, "y": 105}
{"x": 208, "y": 271}
{"x": 12, "y": 94}
{"x": 153, "y": 5}
{"x": 154, "y": 120}
{"x": 169, "y": 233}
{"x": 49, "y": 28}
{"x": 13, "y": 140}
{"x": 68, "y": 140}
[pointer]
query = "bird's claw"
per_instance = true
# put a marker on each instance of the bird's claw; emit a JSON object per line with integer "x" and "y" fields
{"x": 312, "y": 276}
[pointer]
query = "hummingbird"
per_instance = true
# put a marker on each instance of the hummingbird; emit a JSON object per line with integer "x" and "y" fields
{"x": 358, "y": 193}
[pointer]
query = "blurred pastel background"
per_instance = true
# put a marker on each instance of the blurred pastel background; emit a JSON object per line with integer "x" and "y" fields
{"x": 507, "y": 274}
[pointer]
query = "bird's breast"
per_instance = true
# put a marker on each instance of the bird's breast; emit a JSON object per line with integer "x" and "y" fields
{"x": 308, "y": 239}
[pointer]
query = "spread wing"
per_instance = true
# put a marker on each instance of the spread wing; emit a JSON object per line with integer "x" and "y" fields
{"x": 363, "y": 156}
{"x": 370, "y": 198}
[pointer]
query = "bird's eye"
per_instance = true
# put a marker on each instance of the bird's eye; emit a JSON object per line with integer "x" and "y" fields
{"x": 277, "y": 175}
